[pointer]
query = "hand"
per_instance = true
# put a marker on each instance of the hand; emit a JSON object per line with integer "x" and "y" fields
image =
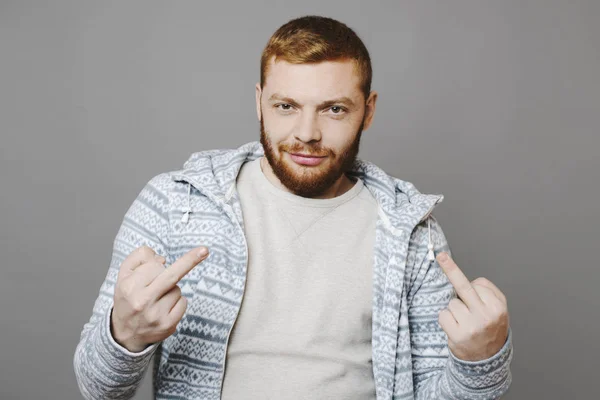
{"x": 148, "y": 304}
{"x": 477, "y": 323}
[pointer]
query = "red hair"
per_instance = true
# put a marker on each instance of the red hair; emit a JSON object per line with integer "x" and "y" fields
{"x": 312, "y": 39}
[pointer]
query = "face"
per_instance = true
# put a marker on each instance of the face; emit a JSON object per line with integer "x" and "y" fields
{"x": 315, "y": 110}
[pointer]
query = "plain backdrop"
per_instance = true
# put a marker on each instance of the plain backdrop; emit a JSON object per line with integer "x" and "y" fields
{"x": 495, "y": 104}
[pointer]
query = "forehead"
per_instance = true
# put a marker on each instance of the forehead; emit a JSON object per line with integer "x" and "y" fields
{"x": 313, "y": 81}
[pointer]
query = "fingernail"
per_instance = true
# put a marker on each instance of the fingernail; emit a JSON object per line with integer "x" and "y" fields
{"x": 202, "y": 252}
{"x": 442, "y": 257}
{"x": 160, "y": 258}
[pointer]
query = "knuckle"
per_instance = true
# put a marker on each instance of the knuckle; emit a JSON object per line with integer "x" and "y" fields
{"x": 467, "y": 288}
{"x": 152, "y": 270}
{"x": 127, "y": 288}
{"x": 146, "y": 251}
{"x": 472, "y": 333}
{"x": 454, "y": 302}
{"x": 184, "y": 302}
{"x": 171, "y": 278}
{"x": 172, "y": 329}
{"x": 177, "y": 290}
{"x": 502, "y": 312}
{"x": 479, "y": 280}
{"x": 138, "y": 304}
{"x": 450, "y": 267}
{"x": 153, "y": 317}
{"x": 461, "y": 287}
{"x": 155, "y": 267}
{"x": 442, "y": 314}
{"x": 166, "y": 325}
{"x": 487, "y": 321}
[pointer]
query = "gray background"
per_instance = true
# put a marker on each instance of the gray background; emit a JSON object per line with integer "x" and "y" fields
{"x": 495, "y": 104}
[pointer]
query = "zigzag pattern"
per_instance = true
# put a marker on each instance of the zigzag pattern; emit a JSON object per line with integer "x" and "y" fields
{"x": 411, "y": 359}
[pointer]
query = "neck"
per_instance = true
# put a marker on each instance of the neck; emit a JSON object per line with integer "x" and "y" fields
{"x": 341, "y": 186}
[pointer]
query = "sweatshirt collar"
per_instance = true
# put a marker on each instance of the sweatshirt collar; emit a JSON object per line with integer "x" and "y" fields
{"x": 214, "y": 173}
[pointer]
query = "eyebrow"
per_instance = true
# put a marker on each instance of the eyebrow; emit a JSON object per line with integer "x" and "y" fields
{"x": 343, "y": 100}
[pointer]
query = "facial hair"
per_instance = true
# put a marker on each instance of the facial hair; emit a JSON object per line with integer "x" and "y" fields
{"x": 310, "y": 181}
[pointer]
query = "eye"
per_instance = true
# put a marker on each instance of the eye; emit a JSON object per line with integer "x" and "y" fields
{"x": 338, "y": 111}
{"x": 284, "y": 106}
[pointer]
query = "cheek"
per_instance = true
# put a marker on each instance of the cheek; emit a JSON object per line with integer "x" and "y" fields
{"x": 338, "y": 135}
{"x": 279, "y": 128}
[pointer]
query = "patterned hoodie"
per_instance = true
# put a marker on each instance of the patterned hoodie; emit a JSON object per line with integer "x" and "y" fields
{"x": 199, "y": 205}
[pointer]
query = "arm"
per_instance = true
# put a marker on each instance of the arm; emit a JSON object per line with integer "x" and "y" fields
{"x": 105, "y": 369}
{"x": 437, "y": 373}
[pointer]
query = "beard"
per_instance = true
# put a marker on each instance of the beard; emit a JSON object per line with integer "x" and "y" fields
{"x": 310, "y": 181}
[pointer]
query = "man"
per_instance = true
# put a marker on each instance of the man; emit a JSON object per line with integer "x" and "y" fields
{"x": 289, "y": 268}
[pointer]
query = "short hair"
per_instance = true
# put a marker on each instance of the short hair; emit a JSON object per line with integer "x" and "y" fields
{"x": 313, "y": 39}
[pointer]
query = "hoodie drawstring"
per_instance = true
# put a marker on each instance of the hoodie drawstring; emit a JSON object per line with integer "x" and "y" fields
{"x": 188, "y": 210}
{"x": 430, "y": 254}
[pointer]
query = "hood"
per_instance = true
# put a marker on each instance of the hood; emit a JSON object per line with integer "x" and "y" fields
{"x": 214, "y": 173}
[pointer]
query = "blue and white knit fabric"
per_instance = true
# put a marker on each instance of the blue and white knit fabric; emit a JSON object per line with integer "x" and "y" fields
{"x": 198, "y": 205}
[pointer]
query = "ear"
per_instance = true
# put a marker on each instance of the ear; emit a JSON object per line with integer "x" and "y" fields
{"x": 258, "y": 96}
{"x": 370, "y": 109}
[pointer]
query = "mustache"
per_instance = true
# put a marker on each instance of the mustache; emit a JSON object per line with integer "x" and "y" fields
{"x": 315, "y": 151}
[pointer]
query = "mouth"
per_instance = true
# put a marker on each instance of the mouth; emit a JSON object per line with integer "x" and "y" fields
{"x": 306, "y": 159}
{"x": 306, "y": 155}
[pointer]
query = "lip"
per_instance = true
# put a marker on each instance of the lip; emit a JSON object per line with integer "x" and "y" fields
{"x": 309, "y": 160}
{"x": 306, "y": 155}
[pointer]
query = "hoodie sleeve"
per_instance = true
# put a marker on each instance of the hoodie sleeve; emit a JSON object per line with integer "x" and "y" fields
{"x": 103, "y": 368}
{"x": 437, "y": 373}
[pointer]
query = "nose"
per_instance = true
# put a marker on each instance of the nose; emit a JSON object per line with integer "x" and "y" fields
{"x": 308, "y": 129}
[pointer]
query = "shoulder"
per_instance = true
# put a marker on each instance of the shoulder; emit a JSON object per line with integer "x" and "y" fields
{"x": 162, "y": 193}
{"x": 162, "y": 182}
{"x": 427, "y": 230}
{"x": 160, "y": 187}
{"x": 427, "y": 235}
